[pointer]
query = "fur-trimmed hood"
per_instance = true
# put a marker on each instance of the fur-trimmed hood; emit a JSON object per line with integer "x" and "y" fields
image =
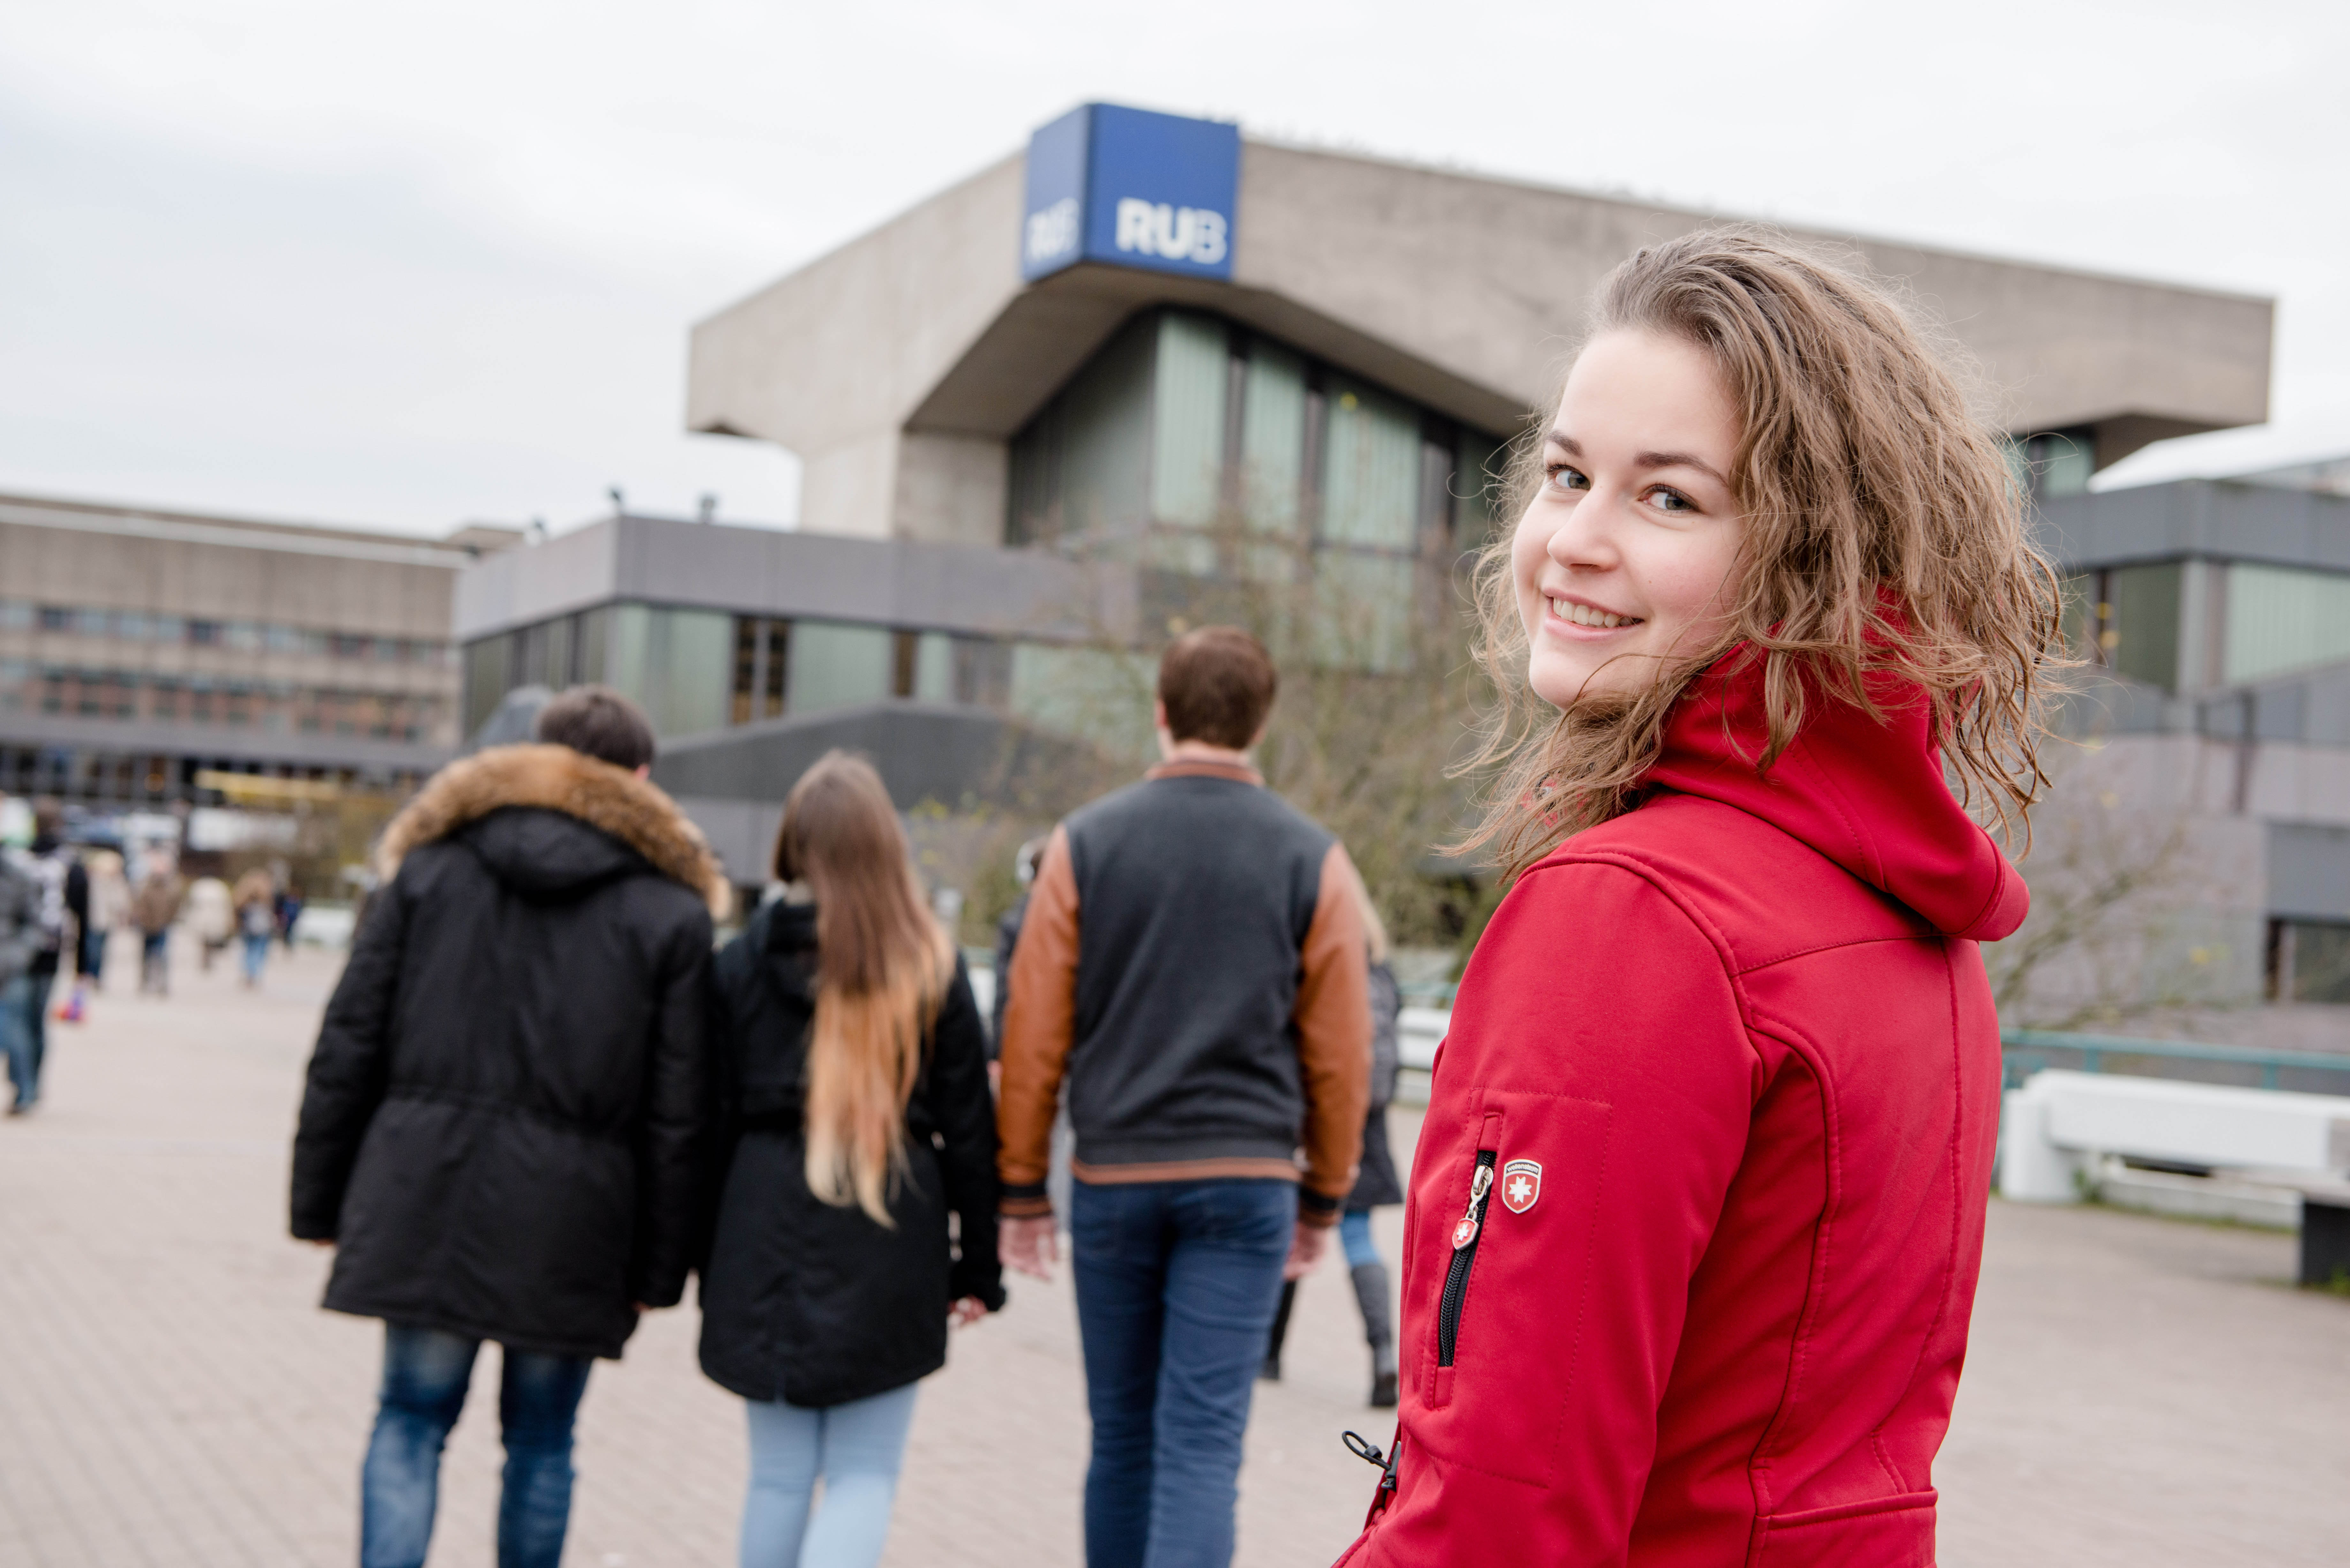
{"x": 556, "y": 778}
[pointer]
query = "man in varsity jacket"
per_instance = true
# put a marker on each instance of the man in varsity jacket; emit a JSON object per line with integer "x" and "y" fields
{"x": 1191, "y": 975}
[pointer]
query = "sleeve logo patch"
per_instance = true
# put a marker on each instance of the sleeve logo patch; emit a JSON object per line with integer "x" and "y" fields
{"x": 1520, "y": 1185}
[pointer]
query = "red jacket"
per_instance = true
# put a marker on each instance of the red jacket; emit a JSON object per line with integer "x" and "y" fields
{"x": 1731, "y": 1062}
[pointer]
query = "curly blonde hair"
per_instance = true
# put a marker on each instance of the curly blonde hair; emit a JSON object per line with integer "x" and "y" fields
{"x": 1884, "y": 543}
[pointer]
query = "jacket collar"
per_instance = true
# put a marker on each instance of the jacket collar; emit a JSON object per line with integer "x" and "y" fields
{"x": 1192, "y": 768}
{"x": 556, "y": 778}
{"x": 1866, "y": 792}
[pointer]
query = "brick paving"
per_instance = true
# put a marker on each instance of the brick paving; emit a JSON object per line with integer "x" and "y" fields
{"x": 2142, "y": 1391}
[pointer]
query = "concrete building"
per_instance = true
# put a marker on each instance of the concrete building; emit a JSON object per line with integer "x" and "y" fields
{"x": 2215, "y": 616}
{"x": 915, "y": 368}
{"x": 139, "y": 648}
{"x": 1149, "y": 353}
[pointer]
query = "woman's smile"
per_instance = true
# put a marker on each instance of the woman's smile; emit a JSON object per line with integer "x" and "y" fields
{"x": 1581, "y": 621}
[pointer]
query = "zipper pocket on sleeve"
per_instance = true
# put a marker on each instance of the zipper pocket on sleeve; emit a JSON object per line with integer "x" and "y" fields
{"x": 1467, "y": 1233}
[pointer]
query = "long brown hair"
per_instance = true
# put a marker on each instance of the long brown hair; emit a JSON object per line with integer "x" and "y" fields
{"x": 883, "y": 964}
{"x": 1883, "y": 540}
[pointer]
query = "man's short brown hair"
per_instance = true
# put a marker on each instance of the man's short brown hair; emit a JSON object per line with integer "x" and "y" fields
{"x": 601, "y": 723}
{"x": 1218, "y": 685}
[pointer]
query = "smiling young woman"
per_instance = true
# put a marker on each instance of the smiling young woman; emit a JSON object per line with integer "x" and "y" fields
{"x": 1695, "y": 1214}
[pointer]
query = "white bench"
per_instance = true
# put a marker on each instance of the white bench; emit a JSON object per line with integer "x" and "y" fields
{"x": 2057, "y": 1131}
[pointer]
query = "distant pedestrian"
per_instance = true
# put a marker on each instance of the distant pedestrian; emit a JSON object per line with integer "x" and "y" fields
{"x": 153, "y": 907}
{"x": 1007, "y": 940}
{"x": 1375, "y": 1188}
{"x": 48, "y": 863}
{"x": 1192, "y": 965}
{"x": 210, "y": 909}
{"x": 289, "y": 914}
{"x": 20, "y": 941}
{"x": 255, "y": 905}
{"x": 110, "y": 896}
{"x": 502, "y": 1126}
{"x": 858, "y": 1119}
{"x": 88, "y": 936}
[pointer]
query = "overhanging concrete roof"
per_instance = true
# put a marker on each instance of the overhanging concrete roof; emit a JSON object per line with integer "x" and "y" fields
{"x": 1463, "y": 292}
{"x": 764, "y": 571}
{"x": 2215, "y": 519}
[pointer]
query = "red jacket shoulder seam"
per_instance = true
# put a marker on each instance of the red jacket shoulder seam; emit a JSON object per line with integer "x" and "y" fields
{"x": 1633, "y": 866}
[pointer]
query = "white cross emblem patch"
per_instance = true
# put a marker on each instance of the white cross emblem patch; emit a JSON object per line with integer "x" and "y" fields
{"x": 1520, "y": 1185}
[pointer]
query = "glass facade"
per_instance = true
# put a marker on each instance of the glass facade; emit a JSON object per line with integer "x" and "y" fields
{"x": 272, "y": 707}
{"x": 837, "y": 666}
{"x": 133, "y": 666}
{"x": 694, "y": 671}
{"x": 2282, "y": 619}
{"x": 1193, "y": 446}
{"x": 2054, "y": 463}
{"x": 2274, "y": 620}
{"x": 2127, "y": 619}
{"x": 2309, "y": 961}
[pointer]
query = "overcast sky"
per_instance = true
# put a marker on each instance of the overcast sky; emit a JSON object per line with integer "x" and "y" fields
{"x": 408, "y": 266}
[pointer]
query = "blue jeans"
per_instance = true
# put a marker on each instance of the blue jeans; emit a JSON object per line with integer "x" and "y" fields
{"x": 1355, "y": 1236}
{"x": 1177, "y": 1282}
{"x": 855, "y": 1449}
{"x": 425, "y": 1373}
{"x": 17, "y": 1003}
{"x": 257, "y": 953}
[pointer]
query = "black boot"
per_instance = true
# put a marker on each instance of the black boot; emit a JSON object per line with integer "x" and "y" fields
{"x": 1271, "y": 1370}
{"x": 1371, "y": 1295}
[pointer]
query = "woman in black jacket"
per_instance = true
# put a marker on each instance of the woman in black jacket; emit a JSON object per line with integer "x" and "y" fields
{"x": 858, "y": 1114}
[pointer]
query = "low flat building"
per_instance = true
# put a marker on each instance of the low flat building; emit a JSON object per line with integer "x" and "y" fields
{"x": 139, "y": 648}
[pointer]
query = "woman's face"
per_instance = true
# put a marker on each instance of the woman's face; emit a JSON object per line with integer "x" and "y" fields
{"x": 1623, "y": 558}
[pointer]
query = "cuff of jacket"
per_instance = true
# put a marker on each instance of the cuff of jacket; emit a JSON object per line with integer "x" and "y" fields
{"x": 1314, "y": 1209}
{"x": 985, "y": 1281}
{"x": 662, "y": 1293}
{"x": 1023, "y": 1202}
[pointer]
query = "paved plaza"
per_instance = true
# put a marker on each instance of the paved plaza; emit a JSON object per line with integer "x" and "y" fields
{"x": 2141, "y": 1392}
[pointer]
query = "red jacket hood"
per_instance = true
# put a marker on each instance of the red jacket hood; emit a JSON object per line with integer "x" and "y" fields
{"x": 1868, "y": 795}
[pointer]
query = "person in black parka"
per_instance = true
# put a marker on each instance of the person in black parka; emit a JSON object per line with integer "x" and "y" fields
{"x": 502, "y": 1131}
{"x": 857, "y": 1118}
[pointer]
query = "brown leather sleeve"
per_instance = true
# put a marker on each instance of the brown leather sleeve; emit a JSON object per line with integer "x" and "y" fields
{"x": 1334, "y": 1042}
{"x": 1039, "y": 1024}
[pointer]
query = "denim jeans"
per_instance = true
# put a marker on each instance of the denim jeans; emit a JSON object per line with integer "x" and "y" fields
{"x": 425, "y": 1374}
{"x": 257, "y": 954}
{"x": 855, "y": 1449}
{"x": 1355, "y": 1236}
{"x": 1177, "y": 1282}
{"x": 21, "y": 1001}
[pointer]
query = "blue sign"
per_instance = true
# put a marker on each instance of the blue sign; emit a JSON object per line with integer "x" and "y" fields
{"x": 1131, "y": 188}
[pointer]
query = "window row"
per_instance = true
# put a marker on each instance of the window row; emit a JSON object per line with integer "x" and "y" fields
{"x": 1219, "y": 450}
{"x": 139, "y": 695}
{"x": 696, "y": 671}
{"x": 241, "y": 636}
{"x": 2272, "y": 620}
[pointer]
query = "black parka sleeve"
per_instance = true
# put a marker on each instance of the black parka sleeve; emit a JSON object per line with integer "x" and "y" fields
{"x": 964, "y": 1114}
{"x": 349, "y": 1069}
{"x": 676, "y": 1120}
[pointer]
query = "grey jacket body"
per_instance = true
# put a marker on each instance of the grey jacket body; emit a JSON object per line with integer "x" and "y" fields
{"x": 20, "y": 920}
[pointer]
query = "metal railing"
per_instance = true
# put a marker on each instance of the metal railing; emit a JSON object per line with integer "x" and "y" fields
{"x": 2027, "y": 1050}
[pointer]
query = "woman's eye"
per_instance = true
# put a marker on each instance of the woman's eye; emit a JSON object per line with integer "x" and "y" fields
{"x": 1665, "y": 500}
{"x": 1565, "y": 478}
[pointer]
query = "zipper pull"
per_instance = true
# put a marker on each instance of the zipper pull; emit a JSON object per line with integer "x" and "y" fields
{"x": 1479, "y": 1184}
